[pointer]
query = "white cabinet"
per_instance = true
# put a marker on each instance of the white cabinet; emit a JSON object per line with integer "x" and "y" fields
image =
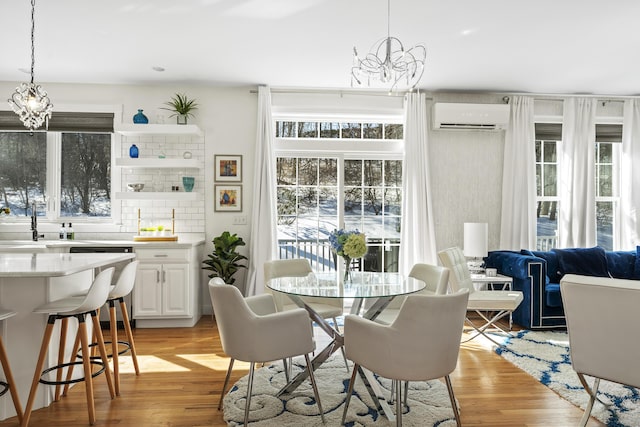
{"x": 162, "y": 290}
{"x": 166, "y": 293}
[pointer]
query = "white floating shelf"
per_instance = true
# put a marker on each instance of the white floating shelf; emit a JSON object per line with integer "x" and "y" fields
{"x": 155, "y": 162}
{"x": 153, "y": 195}
{"x": 157, "y": 129}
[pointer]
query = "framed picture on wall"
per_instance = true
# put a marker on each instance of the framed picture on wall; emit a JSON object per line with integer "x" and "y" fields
{"x": 228, "y": 168}
{"x": 228, "y": 198}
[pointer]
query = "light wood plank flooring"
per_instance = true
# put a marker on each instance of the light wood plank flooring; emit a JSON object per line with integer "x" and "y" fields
{"x": 183, "y": 371}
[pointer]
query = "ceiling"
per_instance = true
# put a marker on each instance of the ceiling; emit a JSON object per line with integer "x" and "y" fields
{"x": 543, "y": 46}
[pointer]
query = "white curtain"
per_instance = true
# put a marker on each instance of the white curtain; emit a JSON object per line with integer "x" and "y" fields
{"x": 577, "y": 174}
{"x": 518, "y": 221}
{"x": 418, "y": 243}
{"x": 630, "y": 177}
{"x": 263, "y": 232}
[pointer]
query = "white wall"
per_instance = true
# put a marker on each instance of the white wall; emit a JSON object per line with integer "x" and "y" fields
{"x": 466, "y": 166}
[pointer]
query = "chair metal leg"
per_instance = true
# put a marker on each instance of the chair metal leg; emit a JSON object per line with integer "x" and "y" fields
{"x": 249, "y": 390}
{"x": 406, "y": 393}
{"x": 286, "y": 365}
{"x": 398, "y": 403}
{"x": 315, "y": 386}
{"x": 352, "y": 381}
{"x": 452, "y": 397}
{"x": 593, "y": 395}
{"x": 226, "y": 383}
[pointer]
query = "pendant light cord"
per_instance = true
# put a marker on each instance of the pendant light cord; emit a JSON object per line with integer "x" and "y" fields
{"x": 33, "y": 43}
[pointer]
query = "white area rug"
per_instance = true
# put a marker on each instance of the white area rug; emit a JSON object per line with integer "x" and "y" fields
{"x": 428, "y": 401}
{"x": 545, "y": 356}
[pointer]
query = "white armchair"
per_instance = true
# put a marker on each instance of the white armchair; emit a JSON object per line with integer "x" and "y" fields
{"x": 420, "y": 345}
{"x": 601, "y": 318}
{"x": 502, "y": 303}
{"x": 258, "y": 336}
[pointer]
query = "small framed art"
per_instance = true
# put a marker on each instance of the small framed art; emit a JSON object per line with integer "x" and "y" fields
{"x": 228, "y": 168}
{"x": 228, "y": 198}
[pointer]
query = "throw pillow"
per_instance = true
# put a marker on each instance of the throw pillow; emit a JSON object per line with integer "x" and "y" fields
{"x": 583, "y": 261}
{"x": 621, "y": 264}
{"x": 552, "y": 264}
{"x": 636, "y": 271}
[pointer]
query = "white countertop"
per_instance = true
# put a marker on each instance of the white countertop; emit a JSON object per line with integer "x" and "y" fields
{"x": 55, "y": 264}
{"x": 184, "y": 241}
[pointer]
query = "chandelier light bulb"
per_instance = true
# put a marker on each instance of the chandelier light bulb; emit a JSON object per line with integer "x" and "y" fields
{"x": 30, "y": 101}
{"x": 388, "y": 62}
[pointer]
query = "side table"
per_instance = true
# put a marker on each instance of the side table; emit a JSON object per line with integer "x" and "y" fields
{"x": 497, "y": 282}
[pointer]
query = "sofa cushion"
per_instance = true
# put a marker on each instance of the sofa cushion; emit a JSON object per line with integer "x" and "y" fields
{"x": 584, "y": 261}
{"x": 552, "y": 295}
{"x": 552, "y": 264}
{"x": 621, "y": 264}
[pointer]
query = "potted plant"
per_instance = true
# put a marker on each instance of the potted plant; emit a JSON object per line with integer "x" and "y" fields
{"x": 224, "y": 261}
{"x": 182, "y": 107}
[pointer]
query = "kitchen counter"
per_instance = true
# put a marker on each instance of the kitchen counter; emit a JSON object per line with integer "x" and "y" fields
{"x": 28, "y": 280}
{"x": 55, "y": 264}
{"x": 184, "y": 241}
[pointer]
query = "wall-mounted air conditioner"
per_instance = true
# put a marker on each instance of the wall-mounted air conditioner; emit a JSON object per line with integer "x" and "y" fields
{"x": 448, "y": 115}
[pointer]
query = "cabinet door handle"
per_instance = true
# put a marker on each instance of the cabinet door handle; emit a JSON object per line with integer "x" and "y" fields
{"x": 164, "y": 276}
{"x": 161, "y": 255}
{"x": 157, "y": 276}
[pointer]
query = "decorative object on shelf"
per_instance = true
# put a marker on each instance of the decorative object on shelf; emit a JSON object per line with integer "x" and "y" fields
{"x": 151, "y": 232}
{"x": 161, "y": 153}
{"x": 475, "y": 245}
{"x": 187, "y": 183}
{"x": 137, "y": 187}
{"x": 30, "y": 101}
{"x": 349, "y": 245}
{"x": 140, "y": 118}
{"x": 228, "y": 168}
{"x": 133, "y": 151}
{"x": 181, "y": 107}
{"x": 224, "y": 261}
{"x": 228, "y": 198}
{"x": 389, "y": 63}
{"x": 186, "y": 155}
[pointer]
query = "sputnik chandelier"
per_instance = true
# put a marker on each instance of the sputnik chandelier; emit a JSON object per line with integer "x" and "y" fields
{"x": 30, "y": 101}
{"x": 388, "y": 63}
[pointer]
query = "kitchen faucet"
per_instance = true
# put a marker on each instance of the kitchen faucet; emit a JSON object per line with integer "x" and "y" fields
{"x": 34, "y": 224}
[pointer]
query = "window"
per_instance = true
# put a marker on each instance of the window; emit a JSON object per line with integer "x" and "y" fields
{"x": 607, "y": 172}
{"x": 547, "y": 137}
{"x": 318, "y": 190}
{"x": 66, "y": 173}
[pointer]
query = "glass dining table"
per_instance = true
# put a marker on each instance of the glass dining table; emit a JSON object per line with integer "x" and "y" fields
{"x": 378, "y": 289}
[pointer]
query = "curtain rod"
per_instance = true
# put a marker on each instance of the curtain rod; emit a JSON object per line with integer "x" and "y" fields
{"x": 334, "y": 92}
{"x": 560, "y": 96}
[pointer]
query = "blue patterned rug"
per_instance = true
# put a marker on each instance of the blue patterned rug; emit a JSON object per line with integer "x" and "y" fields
{"x": 428, "y": 401}
{"x": 545, "y": 356}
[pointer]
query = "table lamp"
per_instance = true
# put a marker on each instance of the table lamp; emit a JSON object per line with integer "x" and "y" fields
{"x": 475, "y": 245}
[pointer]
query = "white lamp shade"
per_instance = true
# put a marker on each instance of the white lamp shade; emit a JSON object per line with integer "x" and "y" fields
{"x": 475, "y": 239}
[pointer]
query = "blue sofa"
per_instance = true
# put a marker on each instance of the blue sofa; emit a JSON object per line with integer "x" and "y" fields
{"x": 537, "y": 274}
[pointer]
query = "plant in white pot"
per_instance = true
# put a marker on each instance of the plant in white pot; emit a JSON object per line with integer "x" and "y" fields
{"x": 182, "y": 108}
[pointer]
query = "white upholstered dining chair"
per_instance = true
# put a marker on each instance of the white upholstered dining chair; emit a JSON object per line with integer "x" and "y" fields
{"x": 437, "y": 280}
{"x": 262, "y": 335}
{"x": 421, "y": 344}
{"x": 501, "y": 303}
{"x": 601, "y": 318}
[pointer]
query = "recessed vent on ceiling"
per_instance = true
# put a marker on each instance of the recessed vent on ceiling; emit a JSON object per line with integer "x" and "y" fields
{"x": 448, "y": 115}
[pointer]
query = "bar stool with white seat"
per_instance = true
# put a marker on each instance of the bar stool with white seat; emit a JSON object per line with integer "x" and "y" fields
{"x": 78, "y": 307}
{"x": 122, "y": 288}
{"x": 10, "y": 384}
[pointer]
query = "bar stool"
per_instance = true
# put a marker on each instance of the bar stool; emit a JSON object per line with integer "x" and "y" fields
{"x": 121, "y": 289}
{"x": 10, "y": 384}
{"x": 78, "y": 307}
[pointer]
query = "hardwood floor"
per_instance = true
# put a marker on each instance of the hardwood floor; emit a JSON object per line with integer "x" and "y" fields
{"x": 182, "y": 371}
